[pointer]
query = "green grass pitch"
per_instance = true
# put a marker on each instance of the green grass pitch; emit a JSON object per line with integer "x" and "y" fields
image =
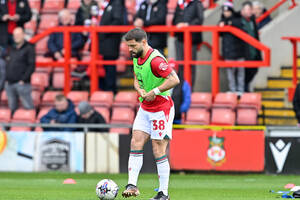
{"x": 48, "y": 186}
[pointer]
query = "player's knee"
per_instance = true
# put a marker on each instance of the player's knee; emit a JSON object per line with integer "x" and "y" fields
{"x": 136, "y": 144}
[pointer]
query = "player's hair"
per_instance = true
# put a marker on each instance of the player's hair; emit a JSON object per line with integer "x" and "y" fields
{"x": 247, "y": 3}
{"x": 60, "y": 97}
{"x": 136, "y": 34}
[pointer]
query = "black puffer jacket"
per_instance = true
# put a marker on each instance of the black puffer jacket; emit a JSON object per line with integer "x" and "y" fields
{"x": 193, "y": 14}
{"x": 157, "y": 17}
{"x": 232, "y": 47}
{"x": 109, "y": 43}
{"x": 22, "y": 9}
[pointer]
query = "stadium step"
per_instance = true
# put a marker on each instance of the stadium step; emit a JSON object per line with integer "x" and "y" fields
{"x": 287, "y": 72}
{"x": 271, "y": 92}
{"x": 278, "y": 110}
{"x": 279, "y": 82}
{"x": 278, "y": 121}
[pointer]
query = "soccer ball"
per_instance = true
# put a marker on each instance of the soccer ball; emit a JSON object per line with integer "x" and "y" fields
{"x": 107, "y": 189}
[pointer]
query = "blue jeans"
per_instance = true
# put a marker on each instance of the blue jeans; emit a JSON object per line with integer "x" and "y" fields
{"x": 2, "y": 74}
{"x": 15, "y": 91}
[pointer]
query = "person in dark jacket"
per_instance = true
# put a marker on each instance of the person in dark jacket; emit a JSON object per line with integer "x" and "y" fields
{"x": 258, "y": 10}
{"x": 188, "y": 12}
{"x": 20, "y": 66}
{"x": 64, "y": 113}
{"x": 2, "y": 69}
{"x": 84, "y": 12}
{"x": 251, "y": 53}
{"x": 296, "y": 103}
{"x": 232, "y": 48}
{"x": 153, "y": 12}
{"x": 111, "y": 12}
{"x": 13, "y": 13}
{"x": 89, "y": 116}
{"x": 56, "y": 40}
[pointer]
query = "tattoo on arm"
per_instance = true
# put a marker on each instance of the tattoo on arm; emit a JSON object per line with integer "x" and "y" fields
{"x": 173, "y": 73}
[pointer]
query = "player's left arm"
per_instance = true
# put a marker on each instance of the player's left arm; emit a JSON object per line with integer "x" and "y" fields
{"x": 170, "y": 81}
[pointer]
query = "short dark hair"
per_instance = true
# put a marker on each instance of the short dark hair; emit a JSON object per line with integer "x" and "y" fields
{"x": 60, "y": 97}
{"x": 247, "y": 3}
{"x": 136, "y": 34}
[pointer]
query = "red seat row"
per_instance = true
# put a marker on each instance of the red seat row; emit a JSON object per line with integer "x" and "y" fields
{"x": 225, "y": 110}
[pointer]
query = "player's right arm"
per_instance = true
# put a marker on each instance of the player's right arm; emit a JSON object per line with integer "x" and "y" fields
{"x": 141, "y": 92}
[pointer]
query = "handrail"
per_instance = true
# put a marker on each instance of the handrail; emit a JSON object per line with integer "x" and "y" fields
{"x": 271, "y": 10}
{"x": 294, "y": 41}
{"x": 216, "y": 62}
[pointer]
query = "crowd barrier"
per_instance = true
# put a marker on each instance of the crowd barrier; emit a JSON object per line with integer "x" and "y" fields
{"x": 273, "y": 150}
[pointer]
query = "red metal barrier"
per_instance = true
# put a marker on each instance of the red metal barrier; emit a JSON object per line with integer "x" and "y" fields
{"x": 277, "y": 5}
{"x": 294, "y": 41}
{"x": 216, "y": 62}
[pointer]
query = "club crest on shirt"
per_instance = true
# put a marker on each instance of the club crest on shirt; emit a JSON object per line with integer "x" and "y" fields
{"x": 163, "y": 66}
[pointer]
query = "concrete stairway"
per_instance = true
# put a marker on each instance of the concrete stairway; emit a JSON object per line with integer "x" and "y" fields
{"x": 277, "y": 109}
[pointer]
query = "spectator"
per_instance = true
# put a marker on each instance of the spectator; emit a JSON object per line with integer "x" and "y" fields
{"x": 20, "y": 66}
{"x": 63, "y": 113}
{"x": 89, "y": 116}
{"x": 251, "y": 53}
{"x": 296, "y": 103}
{"x": 13, "y": 13}
{"x": 181, "y": 95}
{"x": 56, "y": 40}
{"x": 2, "y": 69}
{"x": 84, "y": 12}
{"x": 112, "y": 12}
{"x": 153, "y": 13}
{"x": 232, "y": 48}
{"x": 188, "y": 12}
{"x": 258, "y": 10}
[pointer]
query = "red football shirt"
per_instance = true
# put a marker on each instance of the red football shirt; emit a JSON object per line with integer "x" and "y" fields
{"x": 12, "y": 6}
{"x": 160, "y": 68}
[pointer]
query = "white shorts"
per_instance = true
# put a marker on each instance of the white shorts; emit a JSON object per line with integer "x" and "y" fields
{"x": 157, "y": 124}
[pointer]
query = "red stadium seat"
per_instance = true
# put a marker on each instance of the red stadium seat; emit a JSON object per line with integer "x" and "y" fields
{"x": 247, "y": 116}
{"x": 35, "y": 4}
{"x": 248, "y": 108}
{"x": 201, "y": 100}
{"x": 43, "y": 59}
{"x": 49, "y": 98}
{"x": 48, "y": 21}
{"x": 36, "y": 97}
{"x": 124, "y": 131}
{"x": 23, "y": 116}
{"x": 77, "y": 96}
{"x": 122, "y": 116}
{"x": 250, "y": 100}
{"x": 222, "y": 116}
{"x": 39, "y": 81}
{"x": 4, "y": 101}
{"x": 126, "y": 99}
{"x": 58, "y": 80}
{"x": 225, "y": 100}
{"x": 53, "y": 6}
{"x": 104, "y": 112}
{"x": 41, "y": 46}
{"x": 74, "y": 4}
{"x": 102, "y": 99}
{"x": 5, "y": 115}
{"x": 198, "y": 116}
{"x": 20, "y": 128}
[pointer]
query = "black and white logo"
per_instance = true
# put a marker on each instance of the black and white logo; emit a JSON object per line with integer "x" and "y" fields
{"x": 55, "y": 155}
{"x": 280, "y": 152}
